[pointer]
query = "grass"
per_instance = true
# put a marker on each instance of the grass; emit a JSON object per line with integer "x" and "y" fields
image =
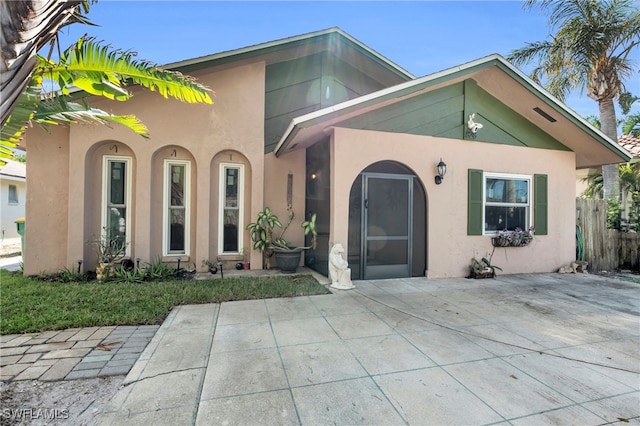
{"x": 29, "y": 305}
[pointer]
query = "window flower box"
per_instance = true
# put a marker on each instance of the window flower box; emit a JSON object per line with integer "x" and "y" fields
{"x": 515, "y": 238}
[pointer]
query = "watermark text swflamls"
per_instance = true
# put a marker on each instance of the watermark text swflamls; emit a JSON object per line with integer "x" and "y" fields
{"x": 34, "y": 413}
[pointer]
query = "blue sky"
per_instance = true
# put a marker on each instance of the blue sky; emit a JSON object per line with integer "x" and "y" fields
{"x": 421, "y": 36}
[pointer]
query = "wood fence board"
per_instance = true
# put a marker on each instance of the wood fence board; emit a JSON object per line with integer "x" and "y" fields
{"x": 605, "y": 249}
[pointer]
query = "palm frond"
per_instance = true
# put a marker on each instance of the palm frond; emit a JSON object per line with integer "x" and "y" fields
{"x": 590, "y": 48}
{"x": 100, "y": 70}
{"x": 13, "y": 129}
{"x": 59, "y": 111}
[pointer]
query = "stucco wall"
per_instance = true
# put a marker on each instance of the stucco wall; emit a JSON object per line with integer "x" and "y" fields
{"x": 276, "y": 175}
{"x": 234, "y": 122}
{"x": 46, "y": 227}
{"x": 450, "y": 248}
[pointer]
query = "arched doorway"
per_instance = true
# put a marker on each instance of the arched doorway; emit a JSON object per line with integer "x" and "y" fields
{"x": 387, "y": 223}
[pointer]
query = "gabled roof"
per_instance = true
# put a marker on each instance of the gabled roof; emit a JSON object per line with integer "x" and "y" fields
{"x": 496, "y": 76}
{"x": 278, "y": 50}
{"x": 287, "y": 48}
{"x": 13, "y": 170}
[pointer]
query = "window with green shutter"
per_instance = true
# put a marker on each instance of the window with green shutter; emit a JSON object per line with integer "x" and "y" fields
{"x": 540, "y": 204}
{"x": 475, "y": 204}
{"x": 499, "y": 201}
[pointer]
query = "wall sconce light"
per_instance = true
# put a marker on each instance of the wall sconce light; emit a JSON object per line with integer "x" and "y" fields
{"x": 442, "y": 170}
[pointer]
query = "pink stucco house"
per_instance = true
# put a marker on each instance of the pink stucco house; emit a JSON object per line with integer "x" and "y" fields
{"x": 327, "y": 124}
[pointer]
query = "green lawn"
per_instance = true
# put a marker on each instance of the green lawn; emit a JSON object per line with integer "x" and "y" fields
{"x": 30, "y": 305}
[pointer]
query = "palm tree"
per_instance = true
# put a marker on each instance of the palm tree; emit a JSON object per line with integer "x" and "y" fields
{"x": 591, "y": 49}
{"x": 629, "y": 185}
{"x": 86, "y": 68}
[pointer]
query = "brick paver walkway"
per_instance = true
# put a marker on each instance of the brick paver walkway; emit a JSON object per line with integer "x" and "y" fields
{"x": 73, "y": 353}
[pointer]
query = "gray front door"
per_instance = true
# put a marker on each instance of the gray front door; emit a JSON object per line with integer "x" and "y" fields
{"x": 387, "y": 201}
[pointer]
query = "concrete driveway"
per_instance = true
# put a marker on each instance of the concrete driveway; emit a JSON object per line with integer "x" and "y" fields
{"x": 519, "y": 349}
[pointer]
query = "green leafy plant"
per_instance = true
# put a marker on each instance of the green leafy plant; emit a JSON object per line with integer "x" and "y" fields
{"x": 262, "y": 233}
{"x": 213, "y": 267}
{"x": 159, "y": 270}
{"x": 121, "y": 274}
{"x": 70, "y": 275}
{"x": 483, "y": 266}
{"x": 515, "y": 238}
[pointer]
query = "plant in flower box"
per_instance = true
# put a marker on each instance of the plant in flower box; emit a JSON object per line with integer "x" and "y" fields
{"x": 516, "y": 238}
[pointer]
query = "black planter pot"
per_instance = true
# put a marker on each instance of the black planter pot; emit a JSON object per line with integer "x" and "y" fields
{"x": 288, "y": 260}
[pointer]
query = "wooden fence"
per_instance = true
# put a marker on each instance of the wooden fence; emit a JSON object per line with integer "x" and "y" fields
{"x": 605, "y": 249}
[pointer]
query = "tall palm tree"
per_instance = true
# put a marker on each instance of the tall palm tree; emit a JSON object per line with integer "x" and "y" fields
{"x": 591, "y": 49}
{"x": 85, "y": 68}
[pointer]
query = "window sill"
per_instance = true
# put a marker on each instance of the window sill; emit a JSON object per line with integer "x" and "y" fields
{"x": 231, "y": 256}
{"x": 174, "y": 258}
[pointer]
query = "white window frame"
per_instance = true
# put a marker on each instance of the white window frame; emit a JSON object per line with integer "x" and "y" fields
{"x": 166, "y": 194}
{"x": 508, "y": 176}
{"x": 15, "y": 200}
{"x": 105, "y": 196}
{"x": 221, "y": 205}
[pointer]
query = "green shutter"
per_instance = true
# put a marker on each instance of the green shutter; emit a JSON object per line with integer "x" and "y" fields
{"x": 474, "y": 215}
{"x": 540, "y": 204}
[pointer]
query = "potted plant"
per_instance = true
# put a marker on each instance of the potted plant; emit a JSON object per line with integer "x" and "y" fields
{"x": 245, "y": 254}
{"x": 213, "y": 268}
{"x": 262, "y": 234}
{"x": 108, "y": 249}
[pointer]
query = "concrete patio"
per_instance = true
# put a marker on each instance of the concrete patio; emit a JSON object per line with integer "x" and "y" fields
{"x": 519, "y": 349}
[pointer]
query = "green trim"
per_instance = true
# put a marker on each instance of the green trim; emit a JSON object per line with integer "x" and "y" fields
{"x": 540, "y": 204}
{"x": 475, "y": 203}
{"x": 501, "y": 124}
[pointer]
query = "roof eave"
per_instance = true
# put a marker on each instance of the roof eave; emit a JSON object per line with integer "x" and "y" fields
{"x": 309, "y": 119}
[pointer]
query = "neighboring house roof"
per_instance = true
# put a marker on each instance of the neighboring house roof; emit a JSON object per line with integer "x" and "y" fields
{"x": 13, "y": 170}
{"x": 631, "y": 144}
{"x": 495, "y": 76}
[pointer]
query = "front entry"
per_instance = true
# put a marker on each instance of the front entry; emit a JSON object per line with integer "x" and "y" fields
{"x": 386, "y": 224}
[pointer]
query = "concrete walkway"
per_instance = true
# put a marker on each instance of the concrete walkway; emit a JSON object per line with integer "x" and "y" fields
{"x": 519, "y": 350}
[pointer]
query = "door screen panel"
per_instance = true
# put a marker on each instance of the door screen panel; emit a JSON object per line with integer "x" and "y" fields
{"x": 387, "y": 226}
